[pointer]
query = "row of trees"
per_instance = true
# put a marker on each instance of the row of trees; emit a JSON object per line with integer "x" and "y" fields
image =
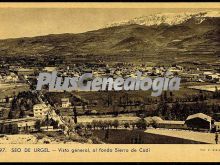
{"x": 181, "y": 110}
{"x": 21, "y": 103}
{"x": 166, "y": 96}
{"x": 109, "y": 124}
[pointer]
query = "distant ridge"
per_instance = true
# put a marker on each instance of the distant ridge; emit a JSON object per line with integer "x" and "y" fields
{"x": 168, "y": 18}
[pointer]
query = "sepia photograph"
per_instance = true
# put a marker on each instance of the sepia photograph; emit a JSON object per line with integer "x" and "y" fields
{"x": 114, "y": 75}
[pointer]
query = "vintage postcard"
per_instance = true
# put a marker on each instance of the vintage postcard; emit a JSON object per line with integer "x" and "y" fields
{"x": 109, "y": 82}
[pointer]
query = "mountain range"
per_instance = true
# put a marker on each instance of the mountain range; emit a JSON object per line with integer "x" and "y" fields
{"x": 168, "y": 18}
{"x": 166, "y": 37}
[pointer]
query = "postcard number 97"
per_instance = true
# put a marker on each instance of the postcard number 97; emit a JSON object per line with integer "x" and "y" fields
{"x": 2, "y": 149}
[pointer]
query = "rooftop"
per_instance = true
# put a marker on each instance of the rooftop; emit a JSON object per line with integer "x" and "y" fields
{"x": 199, "y": 115}
{"x": 17, "y": 120}
{"x": 171, "y": 122}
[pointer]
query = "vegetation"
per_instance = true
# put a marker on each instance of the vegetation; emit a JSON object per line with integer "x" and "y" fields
{"x": 141, "y": 124}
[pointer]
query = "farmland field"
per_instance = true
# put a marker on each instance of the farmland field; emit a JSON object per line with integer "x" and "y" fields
{"x": 138, "y": 136}
{"x": 12, "y": 89}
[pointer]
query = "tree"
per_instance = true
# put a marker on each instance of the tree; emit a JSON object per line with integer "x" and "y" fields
{"x": 133, "y": 125}
{"x": 78, "y": 128}
{"x": 75, "y": 115}
{"x": 54, "y": 124}
{"x": 168, "y": 115}
{"x": 47, "y": 121}
{"x": 22, "y": 114}
{"x": 106, "y": 134}
{"x": 165, "y": 95}
{"x": 94, "y": 124}
{"x": 12, "y": 129}
{"x": 115, "y": 123}
{"x": 38, "y": 124}
{"x": 57, "y": 111}
{"x": 161, "y": 109}
{"x": 109, "y": 124}
{"x": 100, "y": 124}
{"x": 106, "y": 124}
{"x": 141, "y": 124}
{"x": 7, "y": 99}
{"x": 62, "y": 126}
{"x": 126, "y": 125}
{"x": 89, "y": 126}
{"x": 10, "y": 115}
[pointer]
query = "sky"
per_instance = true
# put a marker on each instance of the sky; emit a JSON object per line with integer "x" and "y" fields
{"x": 29, "y": 22}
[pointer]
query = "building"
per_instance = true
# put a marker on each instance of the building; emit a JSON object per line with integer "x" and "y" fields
{"x": 25, "y": 71}
{"x": 65, "y": 102}
{"x": 120, "y": 119}
{"x": 14, "y": 126}
{"x": 46, "y": 128}
{"x": 49, "y": 69}
{"x": 199, "y": 121}
{"x": 213, "y": 77}
{"x": 40, "y": 110}
{"x": 153, "y": 120}
{"x": 26, "y": 126}
{"x": 11, "y": 78}
{"x": 170, "y": 124}
{"x": 216, "y": 126}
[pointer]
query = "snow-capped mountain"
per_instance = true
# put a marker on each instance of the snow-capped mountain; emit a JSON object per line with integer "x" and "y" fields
{"x": 168, "y": 18}
{"x": 189, "y": 41}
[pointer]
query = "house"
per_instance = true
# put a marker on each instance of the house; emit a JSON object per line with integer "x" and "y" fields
{"x": 25, "y": 71}
{"x": 65, "y": 102}
{"x": 213, "y": 77}
{"x": 217, "y": 126}
{"x": 40, "y": 110}
{"x": 26, "y": 126}
{"x": 199, "y": 121}
{"x": 190, "y": 76}
{"x": 174, "y": 70}
{"x": 50, "y": 69}
{"x": 46, "y": 128}
{"x": 3, "y": 100}
{"x": 153, "y": 120}
{"x": 11, "y": 78}
{"x": 81, "y": 108}
{"x": 14, "y": 126}
{"x": 170, "y": 124}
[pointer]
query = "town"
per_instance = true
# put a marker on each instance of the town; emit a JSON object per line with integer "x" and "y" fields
{"x": 86, "y": 113}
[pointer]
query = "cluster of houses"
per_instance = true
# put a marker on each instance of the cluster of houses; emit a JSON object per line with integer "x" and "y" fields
{"x": 129, "y": 70}
{"x": 28, "y": 124}
{"x": 197, "y": 122}
{"x": 9, "y": 78}
{"x": 213, "y": 77}
{"x": 105, "y": 70}
{"x": 13, "y": 126}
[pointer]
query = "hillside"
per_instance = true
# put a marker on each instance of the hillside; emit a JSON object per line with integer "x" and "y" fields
{"x": 183, "y": 41}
